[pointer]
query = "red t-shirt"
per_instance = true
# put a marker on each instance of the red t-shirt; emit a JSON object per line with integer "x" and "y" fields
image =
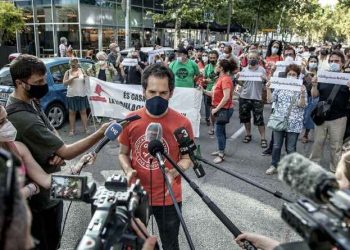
{"x": 133, "y": 136}
{"x": 271, "y": 60}
{"x": 224, "y": 82}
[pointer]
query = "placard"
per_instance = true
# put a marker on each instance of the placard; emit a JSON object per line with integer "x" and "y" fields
{"x": 292, "y": 84}
{"x": 333, "y": 77}
{"x": 129, "y": 62}
{"x": 250, "y": 76}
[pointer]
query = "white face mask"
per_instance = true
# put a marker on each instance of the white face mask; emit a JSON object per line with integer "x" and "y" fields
{"x": 179, "y": 59}
{"x": 7, "y": 132}
{"x": 274, "y": 50}
{"x": 158, "y": 61}
{"x": 101, "y": 62}
{"x": 335, "y": 67}
{"x": 312, "y": 65}
{"x": 205, "y": 59}
{"x": 292, "y": 77}
{"x": 289, "y": 59}
{"x": 226, "y": 55}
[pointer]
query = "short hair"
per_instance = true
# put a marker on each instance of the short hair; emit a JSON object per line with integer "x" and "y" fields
{"x": 337, "y": 53}
{"x": 229, "y": 48}
{"x": 346, "y": 50}
{"x": 289, "y": 48}
{"x": 73, "y": 60}
{"x": 63, "y": 39}
{"x": 294, "y": 67}
{"x": 228, "y": 65}
{"x": 101, "y": 54}
{"x": 254, "y": 53}
{"x": 24, "y": 66}
{"x": 214, "y": 52}
{"x": 159, "y": 71}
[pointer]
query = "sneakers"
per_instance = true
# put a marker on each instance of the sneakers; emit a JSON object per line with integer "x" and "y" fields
{"x": 266, "y": 152}
{"x": 271, "y": 170}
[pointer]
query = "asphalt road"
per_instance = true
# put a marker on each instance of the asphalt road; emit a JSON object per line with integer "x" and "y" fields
{"x": 249, "y": 208}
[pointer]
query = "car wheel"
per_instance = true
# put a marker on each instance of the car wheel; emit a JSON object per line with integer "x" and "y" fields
{"x": 56, "y": 114}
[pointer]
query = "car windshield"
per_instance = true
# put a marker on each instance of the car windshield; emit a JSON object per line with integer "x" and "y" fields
{"x": 5, "y": 77}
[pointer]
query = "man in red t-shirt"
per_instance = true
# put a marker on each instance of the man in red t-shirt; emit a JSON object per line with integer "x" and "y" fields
{"x": 158, "y": 86}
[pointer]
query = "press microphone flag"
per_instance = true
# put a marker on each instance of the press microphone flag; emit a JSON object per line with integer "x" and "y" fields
{"x": 111, "y": 134}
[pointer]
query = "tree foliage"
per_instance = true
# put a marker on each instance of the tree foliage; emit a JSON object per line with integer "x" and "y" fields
{"x": 11, "y": 19}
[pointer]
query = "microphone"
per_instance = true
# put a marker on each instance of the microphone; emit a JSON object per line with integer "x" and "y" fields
{"x": 127, "y": 120}
{"x": 111, "y": 134}
{"x": 187, "y": 146}
{"x": 154, "y": 131}
{"x": 307, "y": 177}
{"x": 156, "y": 149}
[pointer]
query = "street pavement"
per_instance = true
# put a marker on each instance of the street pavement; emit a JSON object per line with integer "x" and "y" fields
{"x": 248, "y": 207}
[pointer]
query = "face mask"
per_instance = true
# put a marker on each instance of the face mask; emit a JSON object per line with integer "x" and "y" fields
{"x": 179, "y": 59}
{"x": 226, "y": 55}
{"x": 292, "y": 77}
{"x": 323, "y": 52}
{"x": 206, "y": 47}
{"x": 312, "y": 65}
{"x": 253, "y": 62}
{"x": 213, "y": 62}
{"x": 274, "y": 50}
{"x": 101, "y": 62}
{"x": 205, "y": 59}
{"x": 157, "y": 105}
{"x": 289, "y": 59}
{"x": 7, "y": 132}
{"x": 37, "y": 91}
{"x": 158, "y": 61}
{"x": 334, "y": 67}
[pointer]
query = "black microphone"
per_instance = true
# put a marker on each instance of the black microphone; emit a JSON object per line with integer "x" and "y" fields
{"x": 307, "y": 177}
{"x": 129, "y": 119}
{"x": 111, "y": 134}
{"x": 187, "y": 146}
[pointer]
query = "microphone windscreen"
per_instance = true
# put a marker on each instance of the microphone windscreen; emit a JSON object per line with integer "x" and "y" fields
{"x": 113, "y": 131}
{"x": 304, "y": 176}
{"x": 154, "y": 131}
{"x": 182, "y": 137}
{"x": 154, "y": 147}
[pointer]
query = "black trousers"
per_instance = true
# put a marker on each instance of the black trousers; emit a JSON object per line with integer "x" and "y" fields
{"x": 46, "y": 227}
{"x": 168, "y": 224}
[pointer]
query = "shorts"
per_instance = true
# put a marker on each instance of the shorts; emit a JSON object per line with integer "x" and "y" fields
{"x": 246, "y": 106}
{"x": 77, "y": 103}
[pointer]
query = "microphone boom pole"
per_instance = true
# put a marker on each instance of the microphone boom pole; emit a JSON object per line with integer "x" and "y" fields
{"x": 212, "y": 206}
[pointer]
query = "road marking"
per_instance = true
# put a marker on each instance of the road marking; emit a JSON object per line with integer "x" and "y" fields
{"x": 238, "y": 133}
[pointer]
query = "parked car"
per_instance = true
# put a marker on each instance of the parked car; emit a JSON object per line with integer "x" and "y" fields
{"x": 54, "y": 103}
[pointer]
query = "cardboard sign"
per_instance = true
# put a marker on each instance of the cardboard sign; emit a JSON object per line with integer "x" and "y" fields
{"x": 286, "y": 83}
{"x": 333, "y": 77}
{"x": 129, "y": 62}
{"x": 250, "y": 76}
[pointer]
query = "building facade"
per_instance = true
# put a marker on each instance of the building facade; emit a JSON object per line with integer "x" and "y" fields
{"x": 87, "y": 24}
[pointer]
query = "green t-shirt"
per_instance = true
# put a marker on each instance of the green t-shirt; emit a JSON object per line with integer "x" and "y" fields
{"x": 42, "y": 143}
{"x": 184, "y": 73}
{"x": 209, "y": 72}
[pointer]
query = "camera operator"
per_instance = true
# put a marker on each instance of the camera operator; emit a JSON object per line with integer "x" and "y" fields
{"x": 158, "y": 86}
{"x": 35, "y": 131}
{"x": 342, "y": 175}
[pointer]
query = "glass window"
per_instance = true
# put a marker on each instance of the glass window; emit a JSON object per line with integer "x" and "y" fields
{"x": 56, "y": 74}
{"x": 108, "y": 36}
{"x": 147, "y": 19}
{"x": 86, "y": 65}
{"x": 121, "y": 38}
{"x": 136, "y": 17}
{"x": 27, "y": 40}
{"x": 45, "y": 38}
{"x": 90, "y": 15}
{"x": 27, "y": 8}
{"x": 5, "y": 77}
{"x": 148, "y": 3}
{"x": 65, "y": 11}
{"x": 108, "y": 14}
{"x": 89, "y": 39}
{"x": 71, "y": 32}
{"x": 43, "y": 11}
{"x": 64, "y": 67}
{"x": 137, "y": 2}
{"x": 158, "y": 4}
{"x": 120, "y": 16}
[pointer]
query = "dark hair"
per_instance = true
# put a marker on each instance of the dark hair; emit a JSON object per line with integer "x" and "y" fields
{"x": 171, "y": 57}
{"x": 294, "y": 67}
{"x": 24, "y": 66}
{"x": 308, "y": 60}
{"x": 138, "y": 46}
{"x": 228, "y": 65}
{"x": 229, "y": 48}
{"x": 160, "y": 71}
{"x": 346, "y": 50}
{"x": 268, "y": 52}
{"x": 289, "y": 48}
{"x": 337, "y": 53}
{"x": 214, "y": 52}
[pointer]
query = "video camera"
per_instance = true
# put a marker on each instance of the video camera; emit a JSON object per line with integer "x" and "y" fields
{"x": 114, "y": 206}
{"x": 322, "y": 219}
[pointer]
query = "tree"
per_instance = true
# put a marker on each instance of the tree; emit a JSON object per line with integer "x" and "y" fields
{"x": 11, "y": 19}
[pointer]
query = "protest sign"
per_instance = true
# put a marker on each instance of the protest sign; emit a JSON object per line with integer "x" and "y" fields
{"x": 333, "y": 77}
{"x": 282, "y": 65}
{"x": 292, "y": 84}
{"x": 130, "y": 62}
{"x": 250, "y": 76}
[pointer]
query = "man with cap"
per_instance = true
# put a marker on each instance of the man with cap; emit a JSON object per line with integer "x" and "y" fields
{"x": 114, "y": 57}
{"x": 184, "y": 69}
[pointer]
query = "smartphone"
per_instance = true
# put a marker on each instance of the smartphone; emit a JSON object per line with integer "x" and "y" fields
{"x": 67, "y": 187}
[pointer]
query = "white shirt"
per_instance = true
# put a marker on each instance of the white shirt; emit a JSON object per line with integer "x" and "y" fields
{"x": 77, "y": 86}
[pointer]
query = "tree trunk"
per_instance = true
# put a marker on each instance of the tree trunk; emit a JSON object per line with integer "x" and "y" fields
{"x": 229, "y": 20}
{"x": 1, "y": 36}
{"x": 177, "y": 32}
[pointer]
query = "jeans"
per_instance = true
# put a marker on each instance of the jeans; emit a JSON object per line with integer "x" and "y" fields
{"x": 168, "y": 224}
{"x": 46, "y": 227}
{"x": 220, "y": 131}
{"x": 207, "y": 106}
{"x": 291, "y": 144}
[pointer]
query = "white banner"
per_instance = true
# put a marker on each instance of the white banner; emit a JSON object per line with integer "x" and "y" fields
{"x": 117, "y": 100}
{"x": 333, "y": 77}
{"x": 250, "y": 76}
{"x": 286, "y": 83}
{"x": 129, "y": 62}
{"x": 282, "y": 65}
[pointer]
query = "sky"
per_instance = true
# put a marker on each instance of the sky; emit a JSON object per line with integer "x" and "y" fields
{"x": 327, "y": 2}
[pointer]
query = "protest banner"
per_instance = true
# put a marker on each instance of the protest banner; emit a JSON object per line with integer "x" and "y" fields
{"x": 333, "y": 77}
{"x": 250, "y": 76}
{"x": 129, "y": 62}
{"x": 282, "y": 65}
{"x": 286, "y": 83}
{"x": 117, "y": 100}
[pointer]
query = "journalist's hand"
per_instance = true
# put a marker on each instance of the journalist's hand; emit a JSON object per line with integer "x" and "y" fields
{"x": 57, "y": 161}
{"x": 87, "y": 159}
{"x": 259, "y": 241}
{"x": 131, "y": 176}
{"x": 141, "y": 231}
{"x": 103, "y": 128}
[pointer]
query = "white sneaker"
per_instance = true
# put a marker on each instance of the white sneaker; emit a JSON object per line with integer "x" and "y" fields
{"x": 271, "y": 170}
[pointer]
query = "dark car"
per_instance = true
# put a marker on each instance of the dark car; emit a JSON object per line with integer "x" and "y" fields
{"x": 54, "y": 103}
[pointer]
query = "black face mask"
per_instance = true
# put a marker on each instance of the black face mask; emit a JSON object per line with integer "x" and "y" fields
{"x": 253, "y": 62}
{"x": 37, "y": 91}
{"x": 324, "y": 52}
{"x": 213, "y": 62}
